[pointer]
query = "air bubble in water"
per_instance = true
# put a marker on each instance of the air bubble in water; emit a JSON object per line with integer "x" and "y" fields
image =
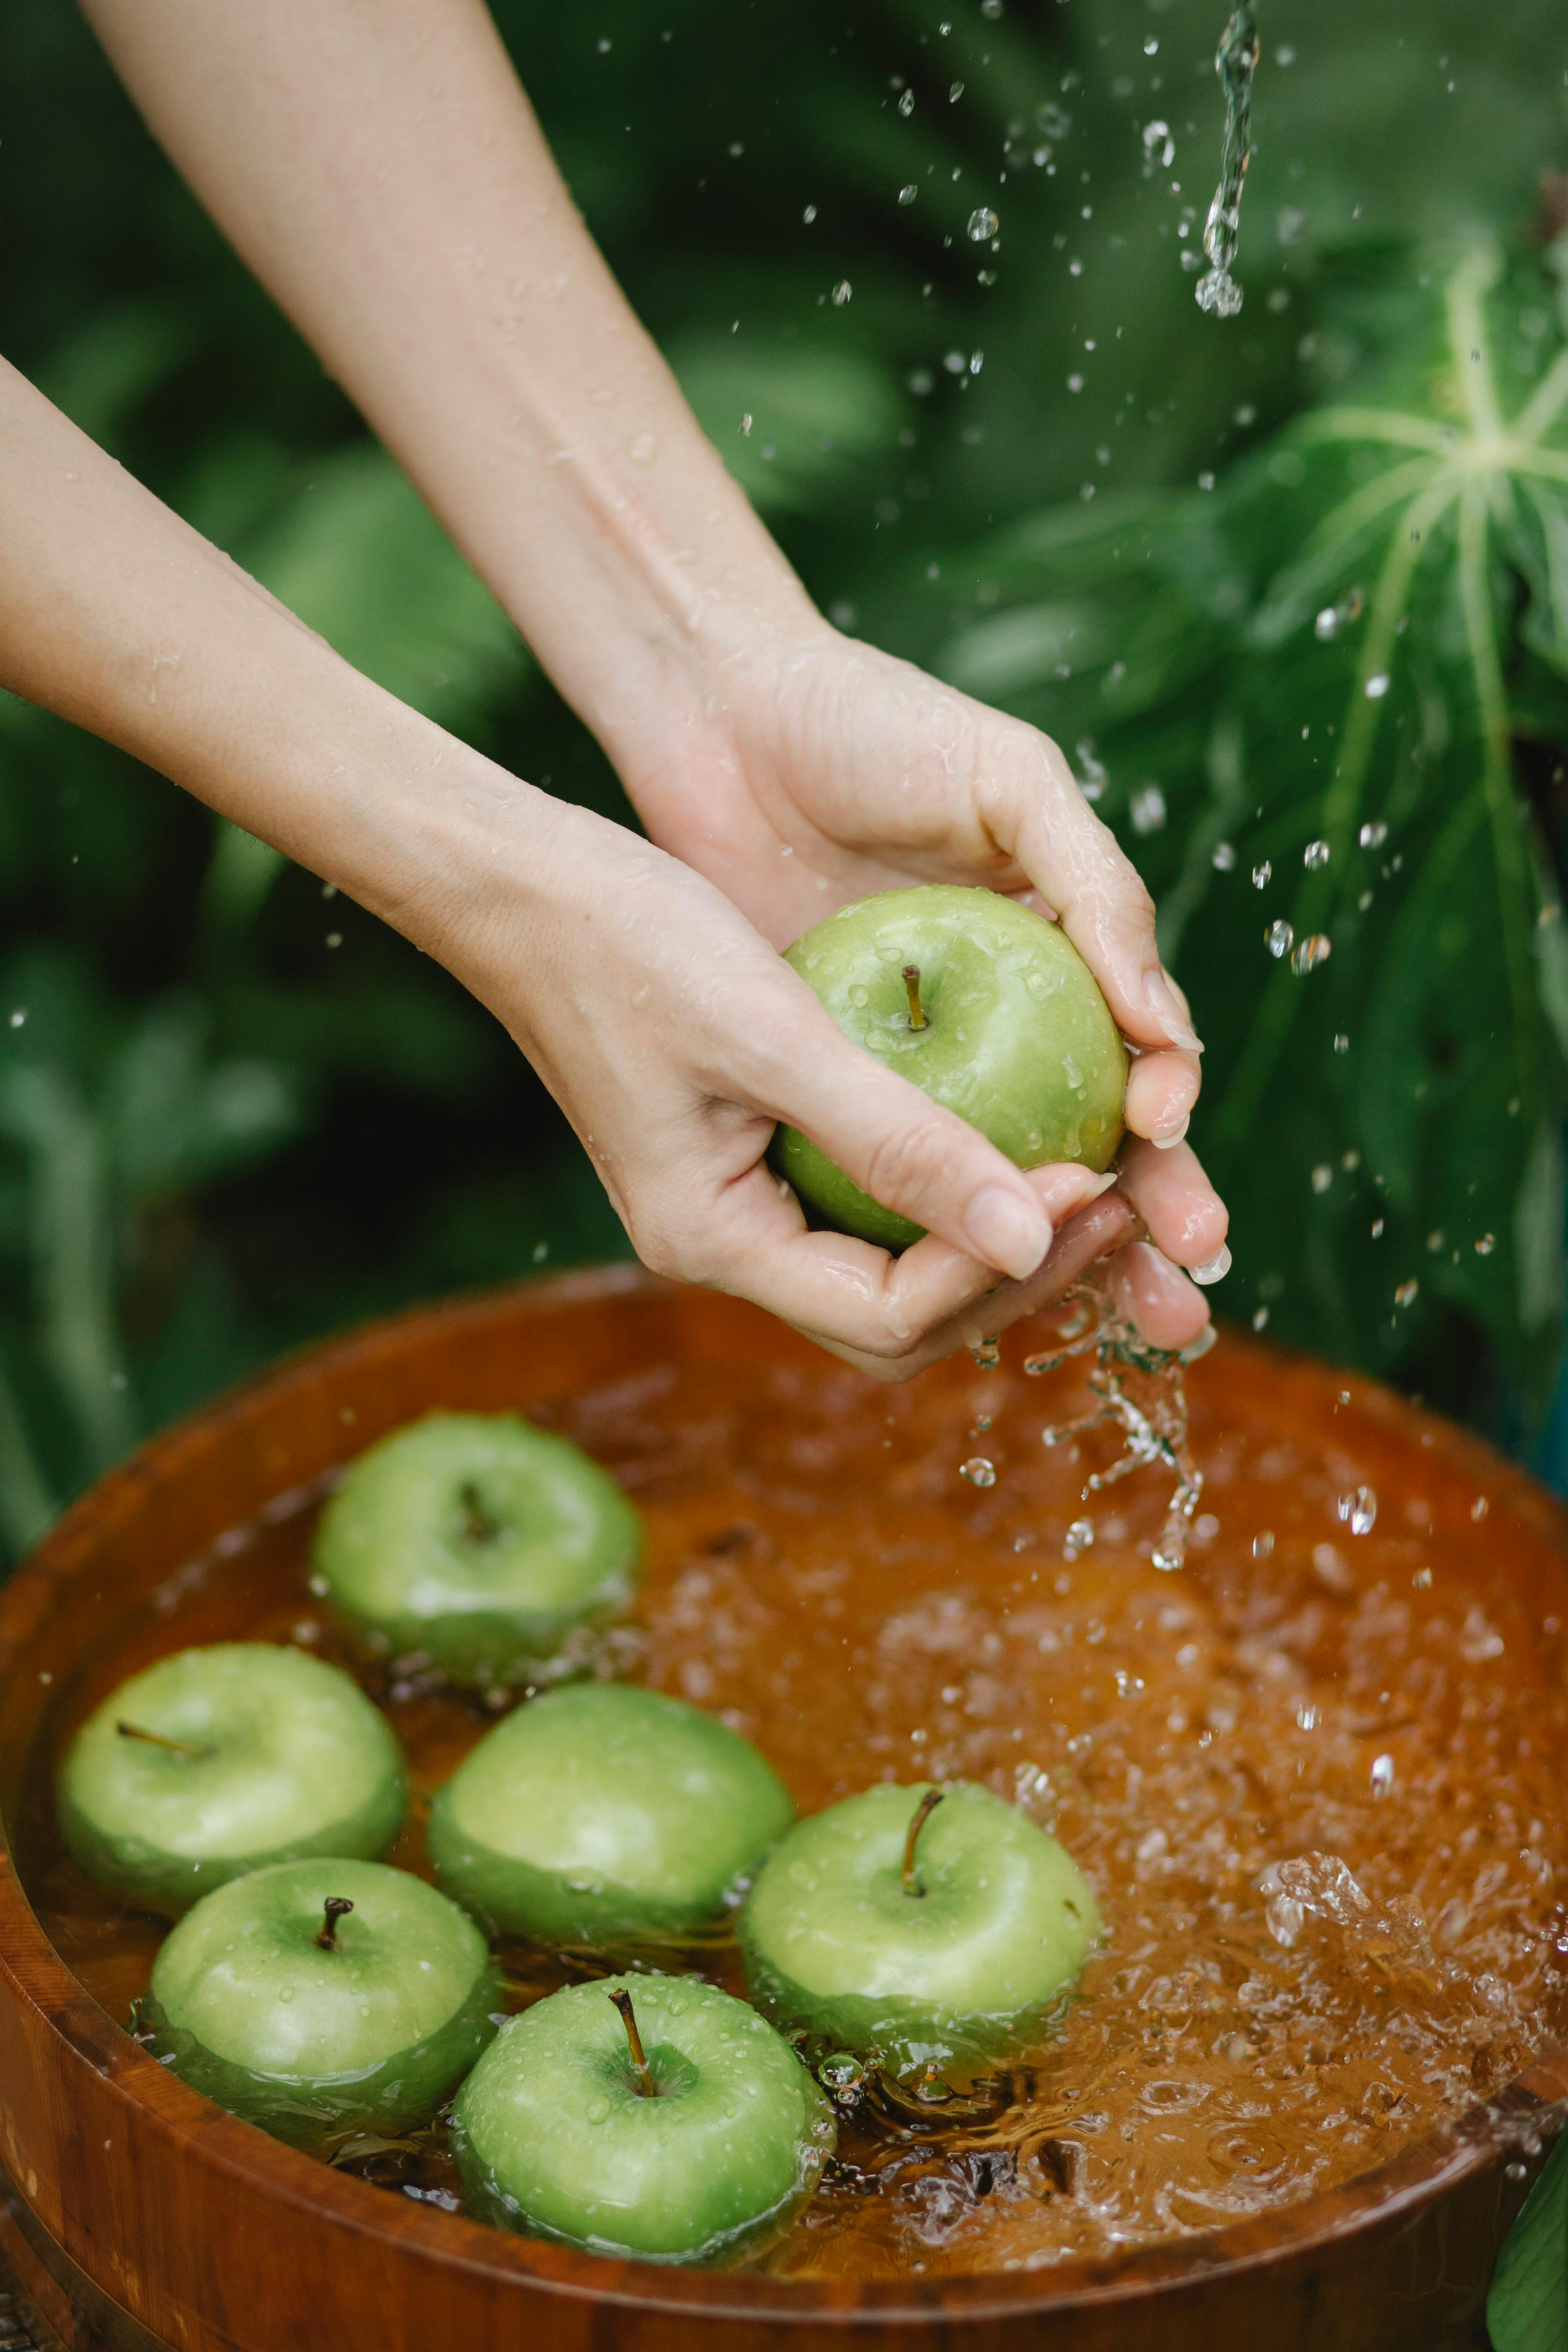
{"x": 1278, "y": 939}
{"x": 1358, "y": 1510}
{"x": 978, "y": 1471}
{"x": 983, "y": 223}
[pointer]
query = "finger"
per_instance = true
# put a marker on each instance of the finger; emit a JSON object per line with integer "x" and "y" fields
{"x": 933, "y": 1282}
{"x": 1161, "y": 1091}
{"x": 1036, "y": 812}
{"x": 1157, "y": 1297}
{"x": 905, "y": 1150}
{"x": 1184, "y": 1214}
{"x": 1103, "y": 1227}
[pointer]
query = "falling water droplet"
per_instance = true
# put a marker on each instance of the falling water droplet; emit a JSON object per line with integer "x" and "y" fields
{"x": 1262, "y": 874}
{"x": 908, "y": 195}
{"x": 981, "y": 223}
{"x": 907, "y": 103}
{"x": 1322, "y": 1176}
{"x": 1358, "y": 1511}
{"x": 1377, "y": 686}
{"x": 1485, "y": 1244}
{"x": 1311, "y": 954}
{"x": 1316, "y": 854}
{"x": 978, "y": 1471}
{"x": 842, "y": 292}
{"x": 1078, "y": 1538}
{"x": 1382, "y": 1775}
{"x": 1236, "y": 62}
{"x": 1278, "y": 939}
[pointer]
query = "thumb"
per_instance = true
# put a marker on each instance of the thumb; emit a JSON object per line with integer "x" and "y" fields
{"x": 912, "y": 1155}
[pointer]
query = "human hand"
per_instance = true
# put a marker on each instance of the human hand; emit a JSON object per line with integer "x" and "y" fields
{"x": 674, "y": 1037}
{"x": 819, "y": 771}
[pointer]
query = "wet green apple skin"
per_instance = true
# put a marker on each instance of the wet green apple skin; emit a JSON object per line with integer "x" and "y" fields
{"x": 476, "y": 1544}
{"x": 553, "y": 2138}
{"x": 300, "y": 1763}
{"x": 314, "y": 2045}
{"x": 1018, "y": 1041}
{"x": 606, "y": 1815}
{"x": 957, "y": 1976}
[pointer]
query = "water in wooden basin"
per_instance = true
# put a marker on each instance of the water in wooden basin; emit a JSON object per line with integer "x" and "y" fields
{"x": 1316, "y": 1776}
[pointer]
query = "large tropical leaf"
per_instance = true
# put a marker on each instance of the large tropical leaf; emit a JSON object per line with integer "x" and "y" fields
{"x": 1304, "y": 690}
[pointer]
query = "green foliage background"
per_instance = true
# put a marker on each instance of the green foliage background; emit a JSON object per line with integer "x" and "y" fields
{"x": 233, "y": 1114}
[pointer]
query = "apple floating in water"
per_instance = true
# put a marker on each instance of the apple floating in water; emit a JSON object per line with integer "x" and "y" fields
{"x": 476, "y": 1544}
{"x": 603, "y": 1814}
{"x": 217, "y": 1760}
{"x": 987, "y": 1007}
{"x": 323, "y": 1998}
{"x": 922, "y": 1927}
{"x": 654, "y": 2116}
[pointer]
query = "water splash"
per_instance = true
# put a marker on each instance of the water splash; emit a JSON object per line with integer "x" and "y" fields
{"x": 1141, "y": 1392}
{"x": 1236, "y": 62}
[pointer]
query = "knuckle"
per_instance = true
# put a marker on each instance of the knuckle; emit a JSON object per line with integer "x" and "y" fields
{"x": 905, "y": 1161}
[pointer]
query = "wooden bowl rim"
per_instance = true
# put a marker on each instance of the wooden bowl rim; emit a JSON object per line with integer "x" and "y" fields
{"x": 37, "y": 1976}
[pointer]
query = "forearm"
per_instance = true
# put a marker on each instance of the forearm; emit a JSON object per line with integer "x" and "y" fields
{"x": 378, "y": 165}
{"x": 120, "y": 617}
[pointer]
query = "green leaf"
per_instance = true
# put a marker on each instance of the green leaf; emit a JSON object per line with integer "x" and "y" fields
{"x": 1306, "y": 678}
{"x": 1527, "y": 2307}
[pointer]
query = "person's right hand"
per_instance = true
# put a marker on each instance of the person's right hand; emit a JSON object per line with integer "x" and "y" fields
{"x": 674, "y": 1037}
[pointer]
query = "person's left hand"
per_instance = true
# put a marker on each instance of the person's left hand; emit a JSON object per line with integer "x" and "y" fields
{"x": 820, "y": 770}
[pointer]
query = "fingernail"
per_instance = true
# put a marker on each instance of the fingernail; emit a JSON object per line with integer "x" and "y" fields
{"x": 1005, "y": 1232}
{"x": 1068, "y": 1189}
{"x": 1167, "y": 1142}
{"x": 1198, "y": 1348}
{"x": 1213, "y": 1269}
{"x": 1165, "y": 1006}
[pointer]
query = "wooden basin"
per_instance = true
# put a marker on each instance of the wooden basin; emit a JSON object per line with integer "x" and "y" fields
{"x": 138, "y": 2216}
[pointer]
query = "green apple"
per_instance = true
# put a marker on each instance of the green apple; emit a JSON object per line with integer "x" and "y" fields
{"x": 920, "y": 1926}
{"x": 476, "y": 1544}
{"x": 654, "y": 2116}
{"x": 604, "y": 1815}
{"x": 217, "y": 1760}
{"x": 1003, "y": 1022}
{"x": 323, "y": 1998}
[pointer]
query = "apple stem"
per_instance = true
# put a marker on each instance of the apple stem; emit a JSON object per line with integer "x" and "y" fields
{"x": 155, "y": 1739}
{"x": 913, "y": 989}
{"x": 334, "y": 1907}
{"x": 477, "y": 1523}
{"x": 923, "y": 1811}
{"x": 640, "y": 2068}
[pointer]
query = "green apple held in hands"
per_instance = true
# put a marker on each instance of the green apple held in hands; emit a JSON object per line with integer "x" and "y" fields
{"x": 654, "y": 2116}
{"x": 919, "y": 1926}
{"x": 217, "y": 1760}
{"x": 323, "y": 1998}
{"x": 604, "y": 1815}
{"x": 476, "y": 1544}
{"x": 987, "y": 1007}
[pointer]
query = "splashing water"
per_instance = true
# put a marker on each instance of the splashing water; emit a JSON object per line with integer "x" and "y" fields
{"x": 1236, "y": 62}
{"x": 1140, "y": 1391}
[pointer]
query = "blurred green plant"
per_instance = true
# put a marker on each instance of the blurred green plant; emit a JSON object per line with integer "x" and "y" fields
{"x": 1307, "y": 697}
{"x": 786, "y": 191}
